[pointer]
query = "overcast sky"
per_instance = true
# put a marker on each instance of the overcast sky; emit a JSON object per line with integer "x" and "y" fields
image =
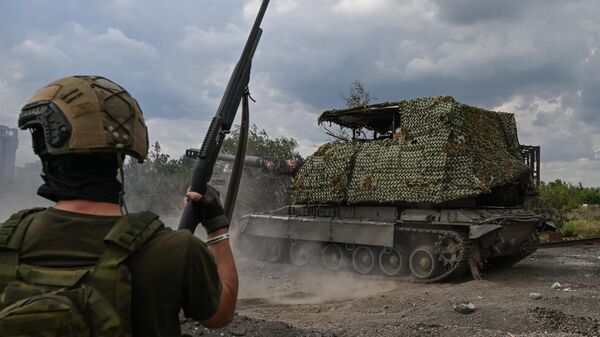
{"x": 536, "y": 58}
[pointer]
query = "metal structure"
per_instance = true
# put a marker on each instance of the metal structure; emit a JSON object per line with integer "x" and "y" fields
{"x": 9, "y": 142}
{"x": 531, "y": 158}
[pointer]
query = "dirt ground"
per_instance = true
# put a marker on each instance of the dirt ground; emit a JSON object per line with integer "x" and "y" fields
{"x": 281, "y": 300}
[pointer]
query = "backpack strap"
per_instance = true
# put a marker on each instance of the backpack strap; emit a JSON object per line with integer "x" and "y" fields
{"x": 132, "y": 231}
{"x": 9, "y": 227}
{"x": 11, "y": 236}
{"x": 127, "y": 236}
{"x": 110, "y": 276}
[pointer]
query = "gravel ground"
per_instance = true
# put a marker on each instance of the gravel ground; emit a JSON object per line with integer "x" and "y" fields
{"x": 282, "y": 300}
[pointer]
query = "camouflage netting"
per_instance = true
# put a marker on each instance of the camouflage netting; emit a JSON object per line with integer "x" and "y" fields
{"x": 444, "y": 151}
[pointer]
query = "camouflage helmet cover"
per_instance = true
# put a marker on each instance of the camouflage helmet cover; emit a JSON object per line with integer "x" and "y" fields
{"x": 87, "y": 114}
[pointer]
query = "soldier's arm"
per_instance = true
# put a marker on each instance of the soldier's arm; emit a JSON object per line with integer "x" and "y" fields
{"x": 229, "y": 282}
{"x": 226, "y": 270}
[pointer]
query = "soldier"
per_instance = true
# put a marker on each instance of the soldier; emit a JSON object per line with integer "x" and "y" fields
{"x": 111, "y": 273}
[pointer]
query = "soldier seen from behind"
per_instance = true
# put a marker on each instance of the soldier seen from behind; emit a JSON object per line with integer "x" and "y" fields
{"x": 87, "y": 267}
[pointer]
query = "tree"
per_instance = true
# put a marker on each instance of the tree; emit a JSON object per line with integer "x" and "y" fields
{"x": 260, "y": 144}
{"x": 358, "y": 95}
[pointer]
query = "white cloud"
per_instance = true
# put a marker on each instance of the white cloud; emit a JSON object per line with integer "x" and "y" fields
{"x": 280, "y": 7}
{"x": 467, "y": 55}
{"x": 43, "y": 50}
{"x": 77, "y": 42}
{"x": 363, "y": 7}
{"x": 210, "y": 39}
{"x": 583, "y": 171}
{"x": 389, "y": 11}
{"x": 250, "y": 9}
{"x": 176, "y": 135}
{"x": 568, "y": 145}
{"x": 115, "y": 38}
{"x": 285, "y": 6}
{"x": 78, "y": 50}
{"x": 284, "y": 115}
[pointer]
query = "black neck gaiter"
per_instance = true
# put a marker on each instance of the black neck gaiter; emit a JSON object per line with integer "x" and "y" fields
{"x": 80, "y": 176}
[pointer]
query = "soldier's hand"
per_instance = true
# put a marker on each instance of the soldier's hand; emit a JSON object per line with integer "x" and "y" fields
{"x": 191, "y": 196}
{"x": 207, "y": 209}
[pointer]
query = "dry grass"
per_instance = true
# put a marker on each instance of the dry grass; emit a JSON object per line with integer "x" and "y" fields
{"x": 581, "y": 228}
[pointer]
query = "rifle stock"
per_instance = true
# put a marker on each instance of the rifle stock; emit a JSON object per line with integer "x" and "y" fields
{"x": 224, "y": 117}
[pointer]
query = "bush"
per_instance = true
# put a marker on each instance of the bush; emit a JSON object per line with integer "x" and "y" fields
{"x": 556, "y": 199}
{"x": 569, "y": 229}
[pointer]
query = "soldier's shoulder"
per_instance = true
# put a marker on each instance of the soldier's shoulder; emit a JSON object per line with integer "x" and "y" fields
{"x": 168, "y": 237}
{"x": 177, "y": 245}
{"x": 19, "y": 215}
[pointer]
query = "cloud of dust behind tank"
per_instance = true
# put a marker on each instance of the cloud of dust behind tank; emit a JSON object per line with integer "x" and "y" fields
{"x": 288, "y": 284}
{"x": 283, "y": 283}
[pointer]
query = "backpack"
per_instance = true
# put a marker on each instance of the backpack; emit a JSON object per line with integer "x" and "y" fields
{"x": 92, "y": 301}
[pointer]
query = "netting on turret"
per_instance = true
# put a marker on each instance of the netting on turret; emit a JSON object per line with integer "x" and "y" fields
{"x": 324, "y": 178}
{"x": 444, "y": 151}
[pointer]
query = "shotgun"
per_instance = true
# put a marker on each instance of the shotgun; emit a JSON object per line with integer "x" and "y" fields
{"x": 223, "y": 119}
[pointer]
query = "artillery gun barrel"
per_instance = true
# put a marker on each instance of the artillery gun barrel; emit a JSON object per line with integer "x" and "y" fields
{"x": 275, "y": 166}
{"x": 251, "y": 161}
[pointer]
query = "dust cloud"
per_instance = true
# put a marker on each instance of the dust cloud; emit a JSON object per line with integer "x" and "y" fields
{"x": 290, "y": 285}
{"x": 20, "y": 193}
{"x": 282, "y": 283}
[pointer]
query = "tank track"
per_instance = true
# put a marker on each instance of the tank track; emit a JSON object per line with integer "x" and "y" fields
{"x": 467, "y": 248}
{"x": 460, "y": 267}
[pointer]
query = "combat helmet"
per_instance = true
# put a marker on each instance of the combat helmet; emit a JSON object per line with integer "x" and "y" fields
{"x": 86, "y": 114}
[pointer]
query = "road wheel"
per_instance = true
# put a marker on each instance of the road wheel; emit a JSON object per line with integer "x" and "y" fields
{"x": 302, "y": 253}
{"x": 363, "y": 260}
{"x": 333, "y": 257}
{"x": 423, "y": 262}
{"x": 273, "y": 250}
{"x": 391, "y": 262}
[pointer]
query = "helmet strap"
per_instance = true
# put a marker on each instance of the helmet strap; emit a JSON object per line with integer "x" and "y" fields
{"x": 122, "y": 204}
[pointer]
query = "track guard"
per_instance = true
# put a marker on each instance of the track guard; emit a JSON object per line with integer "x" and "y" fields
{"x": 475, "y": 232}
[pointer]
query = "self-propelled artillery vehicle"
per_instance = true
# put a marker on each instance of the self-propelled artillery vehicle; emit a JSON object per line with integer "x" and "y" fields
{"x": 426, "y": 187}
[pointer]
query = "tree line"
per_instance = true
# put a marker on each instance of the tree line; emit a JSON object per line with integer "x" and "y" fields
{"x": 558, "y": 198}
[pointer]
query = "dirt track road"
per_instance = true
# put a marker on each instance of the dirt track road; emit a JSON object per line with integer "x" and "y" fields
{"x": 281, "y": 300}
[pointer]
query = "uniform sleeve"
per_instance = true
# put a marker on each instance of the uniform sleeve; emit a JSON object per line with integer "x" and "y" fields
{"x": 201, "y": 288}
